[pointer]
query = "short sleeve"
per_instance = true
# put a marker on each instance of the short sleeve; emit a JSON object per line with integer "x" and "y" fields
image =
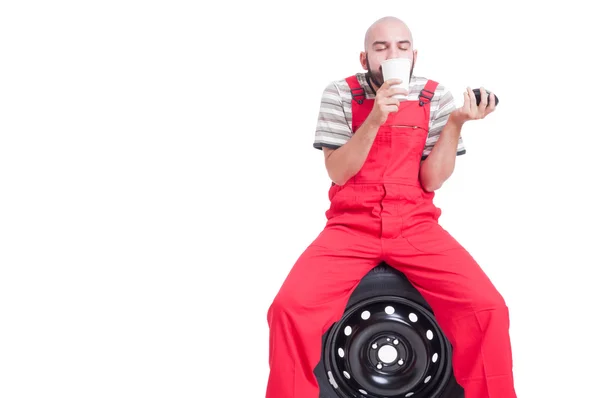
{"x": 439, "y": 117}
{"x": 332, "y": 129}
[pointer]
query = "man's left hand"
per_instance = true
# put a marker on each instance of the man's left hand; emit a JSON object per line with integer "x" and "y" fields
{"x": 470, "y": 110}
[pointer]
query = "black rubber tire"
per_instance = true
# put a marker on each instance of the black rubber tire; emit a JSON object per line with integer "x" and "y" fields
{"x": 383, "y": 281}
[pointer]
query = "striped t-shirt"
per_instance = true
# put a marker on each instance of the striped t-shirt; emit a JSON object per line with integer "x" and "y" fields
{"x": 334, "y": 126}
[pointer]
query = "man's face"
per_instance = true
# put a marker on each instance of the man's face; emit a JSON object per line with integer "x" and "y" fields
{"x": 386, "y": 41}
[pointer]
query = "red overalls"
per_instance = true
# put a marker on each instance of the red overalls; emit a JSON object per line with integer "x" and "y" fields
{"x": 383, "y": 214}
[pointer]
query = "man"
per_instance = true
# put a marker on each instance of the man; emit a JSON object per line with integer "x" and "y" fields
{"x": 385, "y": 159}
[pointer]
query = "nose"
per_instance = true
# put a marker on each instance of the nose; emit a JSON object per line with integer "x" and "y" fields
{"x": 396, "y": 53}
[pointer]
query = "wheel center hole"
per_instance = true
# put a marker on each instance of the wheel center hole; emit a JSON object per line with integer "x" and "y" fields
{"x": 387, "y": 354}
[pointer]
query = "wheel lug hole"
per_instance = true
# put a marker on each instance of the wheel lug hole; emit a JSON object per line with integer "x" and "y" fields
{"x": 379, "y": 366}
{"x": 374, "y": 346}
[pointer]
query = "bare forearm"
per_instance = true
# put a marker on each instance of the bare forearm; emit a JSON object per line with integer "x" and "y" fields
{"x": 344, "y": 162}
{"x": 439, "y": 165}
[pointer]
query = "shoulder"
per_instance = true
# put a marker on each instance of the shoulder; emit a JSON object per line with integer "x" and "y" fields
{"x": 418, "y": 83}
{"x": 340, "y": 89}
{"x": 442, "y": 102}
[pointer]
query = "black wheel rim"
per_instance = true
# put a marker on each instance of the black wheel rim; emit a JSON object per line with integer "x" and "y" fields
{"x": 387, "y": 346}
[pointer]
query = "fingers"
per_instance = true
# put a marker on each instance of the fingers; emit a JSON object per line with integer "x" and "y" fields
{"x": 390, "y": 101}
{"x": 391, "y": 108}
{"x": 473, "y": 101}
{"x": 492, "y": 105}
{"x": 486, "y": 106}
{"x": 388, "y": 104}
{"x": 386, "y": 89}
{"x": 471, "y": 110}
{"x": 390, "y": 82}
{"x": 386, "y": 96}
{"x": 397, "y": 90}
{"x": 484, "y": 99}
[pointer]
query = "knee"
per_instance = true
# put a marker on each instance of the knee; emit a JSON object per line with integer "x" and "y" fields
{"x": 283, "y": 305}
{"x": 488, "y": 298}
{"x": 277, "y": 307}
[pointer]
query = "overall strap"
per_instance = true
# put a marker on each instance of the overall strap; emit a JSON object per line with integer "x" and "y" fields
{"x": 361, "y": 107}
{"x": 358, "y": 92}
{"x": 427, "y": 93}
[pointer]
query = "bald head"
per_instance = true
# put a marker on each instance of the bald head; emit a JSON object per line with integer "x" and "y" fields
{"x": 383, "y": 27}
{"x": 387, "y": 38}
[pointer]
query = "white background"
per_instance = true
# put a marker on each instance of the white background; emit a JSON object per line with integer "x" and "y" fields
{"x": 158, "y": 181}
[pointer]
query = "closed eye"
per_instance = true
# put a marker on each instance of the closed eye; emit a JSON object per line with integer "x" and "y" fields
{"x": 383, "y": 45}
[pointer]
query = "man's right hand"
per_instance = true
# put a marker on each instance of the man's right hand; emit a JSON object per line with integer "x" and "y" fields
{"x": 385, "y": 103}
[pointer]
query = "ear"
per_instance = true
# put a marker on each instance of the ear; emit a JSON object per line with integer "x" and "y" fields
{"x": 415, "y": 56}
{"x": 363, "y": 60}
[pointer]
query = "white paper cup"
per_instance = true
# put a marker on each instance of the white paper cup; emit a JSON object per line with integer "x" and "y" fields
{"x": 397, "y": 68}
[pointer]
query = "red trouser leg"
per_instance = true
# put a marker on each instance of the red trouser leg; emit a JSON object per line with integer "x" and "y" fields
{"x": 467, "y": 306}
{"x": 312, "y": 298}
